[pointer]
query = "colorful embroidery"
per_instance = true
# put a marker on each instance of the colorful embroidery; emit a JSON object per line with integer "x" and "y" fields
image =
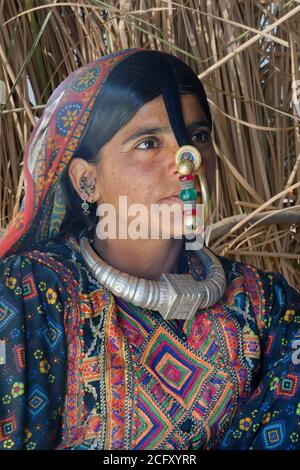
{"x": 273, "y": 435}
{"x": 287, "y": 386}
{"x": 85, "y": 79}
{"x": 19, "y": 355}
{"x": 7, "y": 427}
{"x": 37, "y": 400}
{"x": 7, "y": 313}
{"x": 171, "y": 385}
{"x": 67, "y": 117}
{"x": 52, "y": 332}
{"x": 251, "y": 347}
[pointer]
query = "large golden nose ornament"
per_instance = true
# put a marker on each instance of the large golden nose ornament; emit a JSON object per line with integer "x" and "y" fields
{"x": 194, "y": 188}
{"x": 188, "y": 154}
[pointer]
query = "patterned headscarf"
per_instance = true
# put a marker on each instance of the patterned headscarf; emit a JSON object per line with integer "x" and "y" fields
{"x": 56, "y": 138}
{"x": 50, "y": 148}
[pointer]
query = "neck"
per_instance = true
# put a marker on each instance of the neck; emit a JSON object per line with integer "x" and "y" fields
{"x": 146, "y": 259}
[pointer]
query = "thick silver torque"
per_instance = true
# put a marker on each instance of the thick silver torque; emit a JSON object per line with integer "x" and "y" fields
{"x": 174, "y": 296}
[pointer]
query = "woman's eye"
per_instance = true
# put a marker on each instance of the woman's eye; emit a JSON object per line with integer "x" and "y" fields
{"x": 148, "y": 147}
{"x": 201, "y": 136}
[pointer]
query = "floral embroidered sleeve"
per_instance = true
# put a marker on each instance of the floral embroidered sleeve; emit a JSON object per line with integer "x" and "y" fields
{"x": 272, "y": 411}
{"x": 33, "y": 354}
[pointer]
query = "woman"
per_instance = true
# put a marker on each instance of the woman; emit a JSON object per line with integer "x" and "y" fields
{"x": 89, "y": 369}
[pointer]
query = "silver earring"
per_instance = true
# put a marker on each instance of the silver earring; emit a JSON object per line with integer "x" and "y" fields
{"x": 86, "y": 190}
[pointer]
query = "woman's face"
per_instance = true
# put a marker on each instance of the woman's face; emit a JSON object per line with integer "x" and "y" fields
{"x": 138, "y": 162}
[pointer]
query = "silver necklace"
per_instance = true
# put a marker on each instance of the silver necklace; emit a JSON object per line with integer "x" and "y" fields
{"x": 174, "y": 296}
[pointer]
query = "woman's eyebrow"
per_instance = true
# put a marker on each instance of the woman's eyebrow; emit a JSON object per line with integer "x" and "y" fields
{"x": 155, "y": 130}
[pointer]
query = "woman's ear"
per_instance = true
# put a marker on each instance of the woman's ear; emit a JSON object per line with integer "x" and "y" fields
{"x": 79, "y": 169}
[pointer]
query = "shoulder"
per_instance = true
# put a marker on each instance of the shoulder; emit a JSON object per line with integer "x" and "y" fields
{"x": 51, "y": 255}
{"x": 49, "y": 263}
{"x": 25, "y": 282}
{"x": 249, "y": 274}
{"x": 253, "y": 276}
{"x": 57, "y": 263}
{"x": 265, "y": 293}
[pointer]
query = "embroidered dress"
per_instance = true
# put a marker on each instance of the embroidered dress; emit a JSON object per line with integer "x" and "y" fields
{"x": 86, "y": 370}
{"x": 101, "y": 373}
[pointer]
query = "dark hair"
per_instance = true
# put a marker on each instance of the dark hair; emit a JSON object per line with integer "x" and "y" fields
{"x": 126, "y": 89}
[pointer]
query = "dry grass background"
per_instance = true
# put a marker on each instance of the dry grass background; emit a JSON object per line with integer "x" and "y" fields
{"x": 247, "y": 54}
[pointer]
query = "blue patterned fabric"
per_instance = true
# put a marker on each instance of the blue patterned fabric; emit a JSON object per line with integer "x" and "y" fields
{"x": 270, "y": 418}
{"x": 258, "y": 321}
{"x": 32, "y": 379}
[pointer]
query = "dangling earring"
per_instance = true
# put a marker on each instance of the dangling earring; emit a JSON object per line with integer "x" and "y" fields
{"x": 86, "y": 190}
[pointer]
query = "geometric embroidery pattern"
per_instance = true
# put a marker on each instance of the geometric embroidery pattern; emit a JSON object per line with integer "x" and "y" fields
{"x": 137, "y": 326}
{"x": 7, "y": 427}
{"x": 37, "y": 400}
{"x": 7, "y": 312}
{"x": 273, "y": 434}
{"x": 19, "y": 354}
{"x": 269, "y": 344}
{"x": 251, "y": 346}
{"x": 93, "y": 426}
{"x": 287, "y": 386}
{"x": 52, "y": 332}
{"x": 90, "y": 369}
{"x": 29, "y": 288}
{"x": 180, "y": 374}
{"x": 66, "y": 117}
{"x": 151, "y": 427}
{"x": 86, "y": 79}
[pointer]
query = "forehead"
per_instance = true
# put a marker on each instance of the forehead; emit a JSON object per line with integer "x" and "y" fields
{"x": 155, "y": 111}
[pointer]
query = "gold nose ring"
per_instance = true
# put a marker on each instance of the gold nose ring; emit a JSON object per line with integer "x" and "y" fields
{"x": 188, "y": 163}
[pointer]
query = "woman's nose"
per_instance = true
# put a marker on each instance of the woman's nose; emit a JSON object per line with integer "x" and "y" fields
{"x": 171, "y": 150}
{"x": 170, "y": 153}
